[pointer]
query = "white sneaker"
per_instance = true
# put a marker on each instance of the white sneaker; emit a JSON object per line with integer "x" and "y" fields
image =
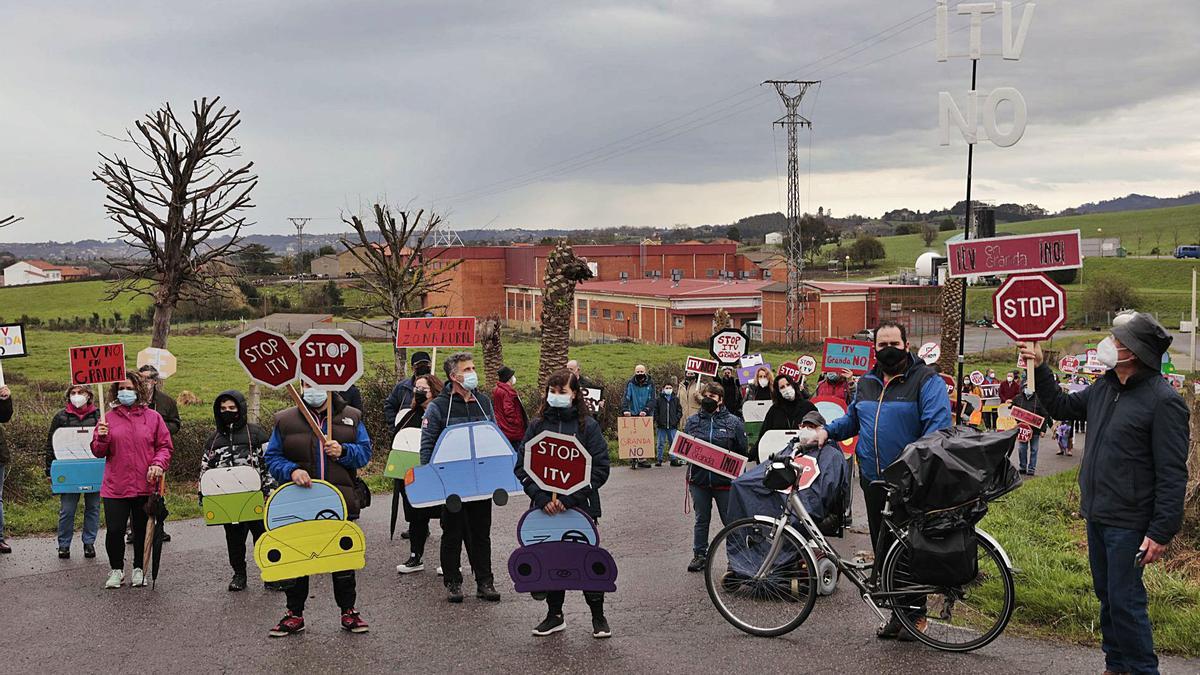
{"x": 413, "y": 564}
{"x": 138, "y": 580}
{"x": 115, "y": 579}
{"x": 440, "y": 571}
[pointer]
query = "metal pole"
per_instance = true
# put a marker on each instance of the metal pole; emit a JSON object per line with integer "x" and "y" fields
{"x": 962, "y": 314}
{"x": 1192, "y": 349}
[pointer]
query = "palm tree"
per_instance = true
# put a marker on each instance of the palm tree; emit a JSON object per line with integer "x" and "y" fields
{"x": 563, "y": 270}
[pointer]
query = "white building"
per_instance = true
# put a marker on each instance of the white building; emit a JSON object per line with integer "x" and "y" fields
{"x": 773, "y": 239}
{"x": 41, "y": 272}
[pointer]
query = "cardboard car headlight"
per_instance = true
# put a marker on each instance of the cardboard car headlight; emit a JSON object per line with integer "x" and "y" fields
{"x": 307, "y": 533}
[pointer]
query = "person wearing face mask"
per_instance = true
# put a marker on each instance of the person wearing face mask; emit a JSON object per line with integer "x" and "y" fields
{"x": 136, "y": 447}
{"x": 6, "y": 411}
{"x": 1132, "y": 479}
{"x": 510, "y": 412}
{"x": 564, "y": 412}
{"x": 760, "y": 388}
{"x": 425, "y": 389}
{"x": 160, "y": 402}
{"x": 459, "y": 403}
{"x": 402, "y": 394}
{"x": 835, "y": 384}
{"x": 715, "y": 424}
{"x": 295, "y": 453}
{"x": 689, "y": 397}
{"x": 732, "y": 400}
{"x": 237, "y": 442}
{"x": 1010, "y": 387}
{"x": 79, "y": 412}
{"x": 667, "y": 412}
{"x": 898, "y": 401}
{"x": 639, "y": 392}
{"x": 787, "y": 409}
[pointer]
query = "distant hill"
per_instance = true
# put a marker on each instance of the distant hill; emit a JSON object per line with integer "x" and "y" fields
{"x": 1135, "y": 202}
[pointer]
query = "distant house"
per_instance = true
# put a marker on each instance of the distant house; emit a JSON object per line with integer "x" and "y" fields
{"x": 343, "y": 263}
{"x": 773, "y": 239}
{"x": 28, "y": 272}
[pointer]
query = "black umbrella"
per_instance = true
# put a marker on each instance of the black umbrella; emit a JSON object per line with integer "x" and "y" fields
{"x": 156, "y": 512}
{"x": 397, "y": 490}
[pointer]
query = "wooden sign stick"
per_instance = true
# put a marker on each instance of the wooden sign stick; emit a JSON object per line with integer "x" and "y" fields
{"x": 312, "y": 422}
{"x": 1029, "y": 373}
{"x": 103, "y": 408}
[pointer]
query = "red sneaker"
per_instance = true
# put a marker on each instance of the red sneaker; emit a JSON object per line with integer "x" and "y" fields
{"x": 353, "y": 622}
{"x": 289, "y": 625}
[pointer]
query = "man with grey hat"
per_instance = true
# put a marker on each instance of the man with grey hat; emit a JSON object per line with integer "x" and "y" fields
{"x": 1132, "y": 479}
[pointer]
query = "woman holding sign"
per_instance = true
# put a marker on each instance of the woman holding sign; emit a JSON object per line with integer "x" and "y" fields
{"x": 79, "y": 413}
{"x": 425, "y": 389}
{"x": 564, "y": 412}
{"x": 136, "y": 446}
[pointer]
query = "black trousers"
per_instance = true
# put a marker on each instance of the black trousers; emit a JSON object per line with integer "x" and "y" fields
{"x": 418, "y": 523}
{"x": 235, "y": 542}
{"x": 472, "y": 525}
{"x": 881, "y": 537}
{"x": 117, "y": 514}
{"x": 345, "y": 592}
{"x": 594, "y": 600}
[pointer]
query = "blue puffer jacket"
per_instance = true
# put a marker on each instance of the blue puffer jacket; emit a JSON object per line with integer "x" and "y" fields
{"x": 637, "y": 396}
{"x": 723, "y": 429}
{"x": 888, "y": 417}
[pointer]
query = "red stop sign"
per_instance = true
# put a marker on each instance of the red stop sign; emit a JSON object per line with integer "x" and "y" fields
{"x": 329, "y": 359}
{"x": 1030, "y": 307}
{"x": 267, "y": 357}
{"x": 806, "y": 466}
{"x": 558, "y": 463}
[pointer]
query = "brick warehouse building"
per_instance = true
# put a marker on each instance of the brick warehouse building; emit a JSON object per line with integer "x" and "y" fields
{"x": 840, "y": 309}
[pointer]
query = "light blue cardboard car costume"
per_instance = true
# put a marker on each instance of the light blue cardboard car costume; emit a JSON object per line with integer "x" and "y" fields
{"x": 471, "y": 462}
{"x": 75, "y": 470}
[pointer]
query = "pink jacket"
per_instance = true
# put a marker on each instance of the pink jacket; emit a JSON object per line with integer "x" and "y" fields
{"x": 137, "y": 437}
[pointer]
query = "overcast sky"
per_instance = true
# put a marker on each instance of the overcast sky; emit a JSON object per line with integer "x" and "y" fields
{"x": 593, "y": 113}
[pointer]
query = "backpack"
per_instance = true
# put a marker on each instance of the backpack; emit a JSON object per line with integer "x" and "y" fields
{"x": 943, "y": 551}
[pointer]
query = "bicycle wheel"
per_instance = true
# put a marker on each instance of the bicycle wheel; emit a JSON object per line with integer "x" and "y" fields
{"x": 958, "y": 619}
{"x": 768, "y": 604}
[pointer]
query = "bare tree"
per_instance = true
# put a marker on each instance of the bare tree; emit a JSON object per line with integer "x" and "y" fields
{"x": 401, "y": 269}
{"x": 177, "y": 212}
{"x": 929, "y": 234}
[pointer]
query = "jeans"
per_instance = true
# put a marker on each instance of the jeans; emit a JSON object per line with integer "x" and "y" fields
{"x": 68, "y": 503}
{"x": 882, "y": 539}
{"x": 1030, "y": 449}
{"x": 345, "y": 592}
{"x": 1124, "y": 624}
{"x": 702, "y": 501}
{"x": 118, "y": 512}
{"x": 3, "y": 467}
{"x": 472, "y": 526}
{"x": 235, "y": 542}
{"x": 663, "y": 445}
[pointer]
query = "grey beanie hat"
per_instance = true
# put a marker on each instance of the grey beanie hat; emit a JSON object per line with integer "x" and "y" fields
{"x": 1144, "y": 336}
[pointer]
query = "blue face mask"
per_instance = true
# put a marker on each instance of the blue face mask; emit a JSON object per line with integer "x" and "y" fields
{"x": 470, "y": 381}
{"x": 315, "y": 398}
{"x": 126, "y": 397}
{"x": 558, "y": 400}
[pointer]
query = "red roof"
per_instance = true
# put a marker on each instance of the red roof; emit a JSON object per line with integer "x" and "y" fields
{"x": 664, "y": 288}
{"x": 65, "y": 270}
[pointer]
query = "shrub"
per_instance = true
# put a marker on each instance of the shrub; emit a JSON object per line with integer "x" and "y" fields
{"x": 1109, "y": 293}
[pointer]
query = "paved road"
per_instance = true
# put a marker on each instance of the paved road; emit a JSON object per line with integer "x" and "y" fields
{"x": 57, "y": 617}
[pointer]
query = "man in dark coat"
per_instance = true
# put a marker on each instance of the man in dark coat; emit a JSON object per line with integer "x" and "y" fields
{"x": 1132, "y": 479}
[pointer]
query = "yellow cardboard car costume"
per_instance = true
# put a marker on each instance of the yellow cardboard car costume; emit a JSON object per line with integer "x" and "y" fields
{"x": 307, "y": 533}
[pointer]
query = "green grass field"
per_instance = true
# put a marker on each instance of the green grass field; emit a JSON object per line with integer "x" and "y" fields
{"x": 66, "y": 300}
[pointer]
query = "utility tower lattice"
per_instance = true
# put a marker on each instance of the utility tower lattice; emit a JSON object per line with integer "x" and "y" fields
{"x": 792, "y": 120}
{"x": 445, "y": 235}
{"x": 299, "y": 223}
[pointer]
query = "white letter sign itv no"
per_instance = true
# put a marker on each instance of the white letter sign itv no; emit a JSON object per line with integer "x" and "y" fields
{"x": 1030, "y": 307}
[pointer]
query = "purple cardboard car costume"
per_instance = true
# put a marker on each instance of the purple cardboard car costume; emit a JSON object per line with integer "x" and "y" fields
{"x": 560, "y": 553}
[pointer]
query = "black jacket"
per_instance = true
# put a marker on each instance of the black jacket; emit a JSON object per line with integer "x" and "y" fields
{"x": 61, "y": 419}
{"x": 1134, "y": 470}
{"x": 448, "y": 409}
{"x": 566, "y": 421}
{"x": 784, "y": 414}
{"x": 733, "y": 395}
{"x": 1025, "y": 401}
{"x": 238, "y": 444}
{"x": 724, "y": 430}
{"x": 6, "y": 411}
{"x": 165, "y": 405}
{"x": 667, "y": 412}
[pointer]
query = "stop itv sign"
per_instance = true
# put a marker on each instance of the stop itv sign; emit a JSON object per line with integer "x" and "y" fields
{"x": 329, "y": 359}
{"x": 1030, "y": 307}
{"x": 558, "y": 463}
{"x": 267, "y": 357}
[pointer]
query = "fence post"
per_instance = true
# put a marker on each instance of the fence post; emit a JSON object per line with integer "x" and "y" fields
{"x": 255, "y": 404}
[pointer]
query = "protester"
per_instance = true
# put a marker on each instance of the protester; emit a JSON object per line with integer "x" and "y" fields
{"x": 79, "y": 412}
{"x": 459, "y": 403}
{"x": 639, "y": 391}
{"x": 1010, "y": 387}
{"x": 402, "y": 394}
{"x": 1027, "y": 452}
{"x": 1132, "y": 479}
{"x": 160, "y": 402}
{"x": 715, "y": 424}
{"x": 835, "y": 384}
{"x": 510, "y": 412}
{"x": 733, "y": 391}
{"x": 425, "y": 389}
{"x": 597, "y": 403}
{"x": 898, "y": 401}
{"x": 689, "y": 395}
{"x": 6, "y": 412}
{"x": 136, "y": 447}
{"x": 786, "y": 411}
{"x": 759, "y": 389}
{"x": 294, "y": 454}
{"x": 237, "y": 442}
{"x": 1064, "y": 433}
{"x": 563, "y": 411}
{"x": 667, "y": 412}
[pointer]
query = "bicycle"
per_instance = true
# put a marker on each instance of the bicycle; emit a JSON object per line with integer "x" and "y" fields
{"x": 762, "y": 566}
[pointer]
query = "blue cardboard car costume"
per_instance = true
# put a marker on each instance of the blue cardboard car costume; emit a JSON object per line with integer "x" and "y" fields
{"x": 470, "y": 462}
{"x": 75, "y": 470}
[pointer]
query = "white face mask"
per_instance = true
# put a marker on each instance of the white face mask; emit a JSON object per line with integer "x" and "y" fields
{"x": 558, "y": 400}
{"x": 788, "y": 394}
{"x": 79, "y": 400}
{"x": 512, "y": 381}
{"x": 1009, "y": 378}
{"x": 668, "y": 391}
{"x": 1108, "y": 355}
{"x": 763, "y": 382}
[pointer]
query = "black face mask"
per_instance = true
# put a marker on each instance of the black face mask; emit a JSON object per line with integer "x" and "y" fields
{"x": 419, "y": 396}
{"x": 421, "y": 369}
{"x": 708, "y": 405}
{"x": 892, "y": 359}
{"x": 227, "y": 418}
{"x": 640, "y": 379}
